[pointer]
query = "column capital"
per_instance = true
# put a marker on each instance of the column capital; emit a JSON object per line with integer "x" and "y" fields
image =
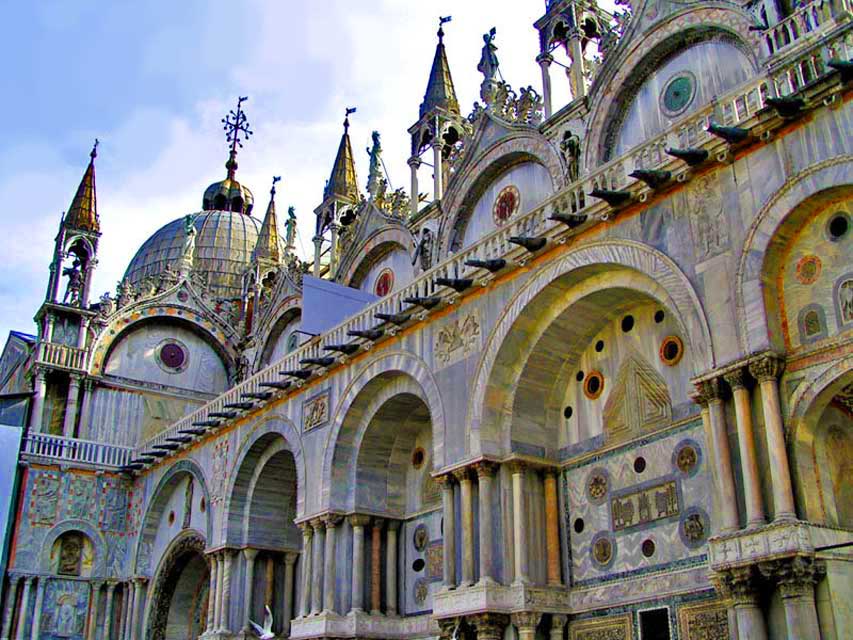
{"x": 393, "y": 525}
{"x": 767, "y": 367}
{"x": 490, "y": 626}
{"x": 378, "y": 523}
{"x": 545, "y": 58}
{"x": 112, "y": 583}
{"x": 526, "y": 619}
{"x": 332, "y": 520}
{"x": 447, "y": 628}
{"x": 517, "y": 467}
{"x": 358, "y": 520}
{"x": 317, "y": 524}
{"x": 708, "y": 391}
{"x": 414, "y": 161}
{"x": 141, "y": 580}
{"x": 95, "y": 584}
{"x": 485, "y": 468}
{"x": 795, "y": 576}
{"x": 740, "y": 584}
{"x": 290, "y": 557}
{"x": 461, "y": 474}
{"x": 306, "y": 528}
{"x": 250, "y": 554}
{"x": 736, "y": 379}
{"x": 445, "y": 480}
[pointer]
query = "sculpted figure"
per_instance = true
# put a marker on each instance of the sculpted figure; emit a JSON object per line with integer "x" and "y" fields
{"x": 488, "y": 59}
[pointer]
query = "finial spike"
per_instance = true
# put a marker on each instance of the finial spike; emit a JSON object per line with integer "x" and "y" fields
{"x": 94, "y": 153}
{"x": 235, "y": 124}
{"x": 350, "y": 110}
{"x": 442, "y": 20}
{"x": 274, "y": 180}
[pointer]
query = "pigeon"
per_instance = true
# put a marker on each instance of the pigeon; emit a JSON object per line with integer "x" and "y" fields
{"x": 265, "y": 632}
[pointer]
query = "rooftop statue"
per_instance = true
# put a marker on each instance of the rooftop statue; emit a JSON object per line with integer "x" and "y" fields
{"x": 488, "y": 59}
{"x": 375, "y": 173}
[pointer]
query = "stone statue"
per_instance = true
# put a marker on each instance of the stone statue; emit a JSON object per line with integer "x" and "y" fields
{"x": 375, "y": 173}
{"x": 125, "y": 293}
{"x": 108, "y": 306}
{"x": 189, "y": 236}
{"x": 570, "y": 147}
{"x": 75, "y": 284}
{"x": 290, "y": 227}
{"x": 488, "y": 59}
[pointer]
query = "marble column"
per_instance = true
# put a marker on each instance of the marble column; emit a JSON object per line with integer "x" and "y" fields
{"x": 414, "y": 164}
{"x": 330, "y": 569}
{"x": 552, "y": 528}
{"x": 333, "y": 250}
{"x": 269, "y": 582}
{"x": 376, "y": 568}
{"x": 211, "y": 594}
{"x": 287, "y": 611}
{"x": 519, "y": 521}
{"x": 710, "y": 398}
{"x": 391, "y": 568}
{"x": 558, "y": 623}
{"x": 545, "y": 59}
{"x": 740, "y": 587}
{"x": 449, "y": 537}
{"x": 489, "y": 626}
{"x": 108, "y": 611}
{"x": 358, "y": 522}
{"x": 39, "y": 392}
{"x": 249, "y": 556}
{"x": 71, "y": 406}
{"x": 437, "y": 177}
{"x": 746, "y": 447}
{"x": 9, "y": 609}
{"x": 36, "y": 630}
{"x": 228, "y": 558}
{"x": 138, "y": 599}
{"x": 94, "y": 609}
{"x": 485, "y": 477}
{"x": 767, "y": 370}
{"x": 317, "y": 577}
{"x": 318, "y": 250}
{"x": 23, "y": 610}
{"x": 220, "y": 580}
{"x": 525, "y": 622}
{"x": 796, "y": 579}
{"x": 128, "y": 608}
{"x": 463, "y": 476}
{"x": 307, "y": 538}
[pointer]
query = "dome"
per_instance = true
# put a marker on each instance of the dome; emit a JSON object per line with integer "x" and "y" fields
{"x": 223, "y": 251}
{"x": 228, "y": 194}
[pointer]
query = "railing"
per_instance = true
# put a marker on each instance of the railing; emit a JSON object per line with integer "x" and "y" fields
{"x": 735, "y": 108}
{"x": 61, "y": 355}
{"x": 74, "y": 450}
{"x": 806, "y": 21}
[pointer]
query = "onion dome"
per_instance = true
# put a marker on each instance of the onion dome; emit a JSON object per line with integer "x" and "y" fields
{"x": 224, "y": 243}
{"x": 228, "y": 195}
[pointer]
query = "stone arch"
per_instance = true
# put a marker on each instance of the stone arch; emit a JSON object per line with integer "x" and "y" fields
{"x": 285, "y": 313}
{"x": 522, "y": 145}
{"x": 157, "y": 505}
{"x": 99, "y": 562}
{"x": 184, "y": 546}
{"x": 407, "y": 374}
{"x": 629, "y": 264}
{"x": 271, "y": 436}
{"x": 752, "y": 315}
{"x": 365, "y": 254}
{"x": 807, "y": 405}
{"x": 646, "y": 52}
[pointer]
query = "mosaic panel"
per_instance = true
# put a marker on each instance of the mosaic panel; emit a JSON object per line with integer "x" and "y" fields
{"x": 65, "y": 607}
{"x": 44, "y": 498}
{"x": 113, "y": 503}
{"x": 707, "y": 621}
{"x": 611, "y": 628}
{"x": 645, "y": 505}
{"x": 80, "y": 499}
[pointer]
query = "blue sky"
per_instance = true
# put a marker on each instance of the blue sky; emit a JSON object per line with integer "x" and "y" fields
{"x": 153, "y": 79}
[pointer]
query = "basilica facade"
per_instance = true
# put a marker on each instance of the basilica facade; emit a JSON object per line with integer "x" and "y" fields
{"x": 596, "y": 384}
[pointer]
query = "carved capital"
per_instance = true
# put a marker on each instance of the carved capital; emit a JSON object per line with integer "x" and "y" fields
{"x": 307, "y": 530}
{"x": 250, "y": 554}
{"x": 795, "y": 577}
{"x": 445, "y": 481}
{"x": 462, "y": 474}
{"x": 332, "y": 520}
{"x": 448, "y": 628}
{"x": 485, "y": 468}
{"x": 545, "y": 58}
{"x": 318, "y": 524}
{"x": 517, "y": 466}
{"x": 526, "y": 619}
{"x": 378, "y": 523}
{"x": 489, "y": 626}
{"x": 359, "y": 520}
{"x": 740, "y": 584}
{"x": 393, "y": 525}
{"x": 736, "y": 379}
{"x": 766, "y": 368}
{"x": 290, "y": 558}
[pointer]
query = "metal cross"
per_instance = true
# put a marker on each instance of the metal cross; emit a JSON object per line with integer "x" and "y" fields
{"x": 235, "y": 123}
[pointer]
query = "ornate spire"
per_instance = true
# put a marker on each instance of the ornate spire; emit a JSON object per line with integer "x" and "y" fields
{"x": 268, "y": 246}
{"x": 235, "y": 124}
{"x": 343, "y": 183}
{"x": 83, "y": 212}
{"x": 440, "y": 92}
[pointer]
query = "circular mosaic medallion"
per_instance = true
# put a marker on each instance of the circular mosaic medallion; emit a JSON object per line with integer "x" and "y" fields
{"x": 421, "y": 537}
{"x": 384, "y": 283}
{"x": 593, "y": 385}
{"x": 421, "y": 590}
{"x": 808, "y": 269}
{"x": 183, "y": 296}
{"x": 596, "y": 486}
{"x": 603, "y": 550}
{"x": 686, "y": 458}
{"x": 671, "y": 350}
{"x": 678, "y": 93}
{"x": 693, "y": 527}
{"x": 506, "y": 204}
{"x": 172, "y": 356}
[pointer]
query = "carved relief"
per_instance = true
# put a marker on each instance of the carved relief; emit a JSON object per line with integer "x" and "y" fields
{"x": 703, "y": 622}
{"x": 686, "y": 457}
{"x": 220, "y": 471}
{"x": 639, "y": 400}
{"x": 64, "y": 611}
{"x": 316, "y": 411}
{"x": 694, "y": 527}
{"x": 707, "y": 218}
{"x": 646, "y": 505}
{"x": 603, "y": 550}
{"x": 44, "y": 499}
{"x": 188, "y": 504}
{"x": 420, "y": 537}
{"x": 421, "y": 590}
{"x": 435, "y": 560}
{"x": 113, "y": 506}
{"x": 457, "y": 340}
{"x": 596, "y": 486}
{"x": 610, "y": 628}
{"x": 80, "y": 499}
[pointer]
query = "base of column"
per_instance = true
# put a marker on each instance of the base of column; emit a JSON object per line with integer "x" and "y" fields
{"x": 486, "y": 581}
{"x": 358, "y": 624}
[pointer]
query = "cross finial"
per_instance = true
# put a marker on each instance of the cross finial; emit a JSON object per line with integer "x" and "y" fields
{"x": 235, "y": 124}
{"x": 94, "y": 153}
{"x": 274, "y": 180}
{"x": 350, "y": 110}
{"x": 442, "y": 20}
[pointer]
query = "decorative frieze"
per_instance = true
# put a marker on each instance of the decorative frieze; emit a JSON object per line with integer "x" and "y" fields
{"x": 316, "y": 411}
{"x": 618, "y": 627}
{"x": 706, "y": 621}
{"x": 753, "y": 545}
{"x": 458, "y": 339}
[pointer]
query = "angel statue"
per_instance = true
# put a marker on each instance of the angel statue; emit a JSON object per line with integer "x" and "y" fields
{"x": 75, "y": 283}
{"x": 489, "y": 60}
{"x": 265, "y": 632}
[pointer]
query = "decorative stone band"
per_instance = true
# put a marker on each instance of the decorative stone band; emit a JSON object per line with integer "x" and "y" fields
{"x": 500, "y": 598}
{"x": 751, "y": 546}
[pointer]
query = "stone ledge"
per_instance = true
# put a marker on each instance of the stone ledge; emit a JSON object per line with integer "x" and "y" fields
{"x": 499, "y": 598}
{"x": 362, "y": 625}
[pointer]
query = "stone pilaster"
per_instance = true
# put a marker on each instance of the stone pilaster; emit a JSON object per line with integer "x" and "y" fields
{"x": 220, "y": 581}
{"x": 741, "y": 587}
{"x": 796, "y": 578}
{"x": 36, "y": 630}
{"x": 108, "y": 611}
{"x": 228, "y": 557}
{"x": 317, "y": 573}
{"x": 307, "y": 539}
{"x": 519, "y": 521}
{"x": 138, "y": 601}
{"x": 211, "y": 593}
{"x": 332, "y": 521}
{"x": 94, "y": 608}
{"x": 24, "y": 608}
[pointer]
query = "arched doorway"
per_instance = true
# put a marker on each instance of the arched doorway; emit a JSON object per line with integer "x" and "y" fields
{"x": 179, "y": 596}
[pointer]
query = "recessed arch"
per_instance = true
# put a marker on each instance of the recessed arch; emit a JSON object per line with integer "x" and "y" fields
{"x": 99, "y": 561}
{"x": 382, "y": 241}
{"x": 579, "y": 273}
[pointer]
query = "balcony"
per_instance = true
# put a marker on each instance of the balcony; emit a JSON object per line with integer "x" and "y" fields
{"x": 60, "y": 355}
{"x": 807, "y": 24}
{"x": 58, "y": 448}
